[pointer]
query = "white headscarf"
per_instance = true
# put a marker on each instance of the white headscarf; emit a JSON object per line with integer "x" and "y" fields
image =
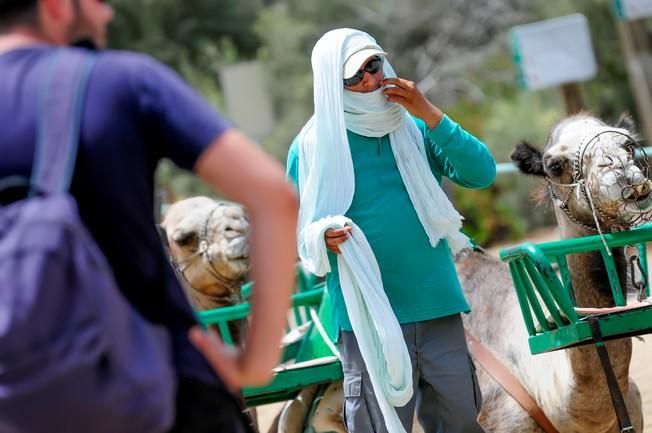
{"x": 326, "y": 187}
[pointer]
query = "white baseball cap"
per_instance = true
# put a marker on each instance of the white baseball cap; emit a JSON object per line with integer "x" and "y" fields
{"x": 358, "y": 59}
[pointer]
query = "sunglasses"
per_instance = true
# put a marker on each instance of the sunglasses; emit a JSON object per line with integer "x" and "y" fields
{"x": 371, "y": 67}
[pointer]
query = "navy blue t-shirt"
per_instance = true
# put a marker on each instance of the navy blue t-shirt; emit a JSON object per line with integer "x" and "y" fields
{"x": 137, "y": 111}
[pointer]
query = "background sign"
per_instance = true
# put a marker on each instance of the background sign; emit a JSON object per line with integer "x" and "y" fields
{"x": 553, "y": 52}
{"x": 632, "y": 9}
{"x": 248, "y": 102}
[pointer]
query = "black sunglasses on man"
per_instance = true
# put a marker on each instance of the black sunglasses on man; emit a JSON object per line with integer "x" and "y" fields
{"x": 372, "y": 66}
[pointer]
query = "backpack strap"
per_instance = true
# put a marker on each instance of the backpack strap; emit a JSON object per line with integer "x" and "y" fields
{"x": 60, "y": 110}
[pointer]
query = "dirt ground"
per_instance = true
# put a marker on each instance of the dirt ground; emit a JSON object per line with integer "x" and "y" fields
{"x": 641, "y": 369}
{"x": 642, "y": 373}
{"x": 266, "y": 415}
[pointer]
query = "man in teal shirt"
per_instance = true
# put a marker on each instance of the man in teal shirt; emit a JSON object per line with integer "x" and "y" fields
{"x": 419, "y": 279}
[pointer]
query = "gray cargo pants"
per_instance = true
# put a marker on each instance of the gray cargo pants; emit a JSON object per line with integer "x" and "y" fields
{"x": 446, "y": 392}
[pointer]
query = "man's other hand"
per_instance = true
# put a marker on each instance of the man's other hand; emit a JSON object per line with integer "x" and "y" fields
{"x": 334, "y": 237}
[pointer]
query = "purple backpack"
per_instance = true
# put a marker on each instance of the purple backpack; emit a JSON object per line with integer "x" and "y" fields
{"x": 75, "y": 357}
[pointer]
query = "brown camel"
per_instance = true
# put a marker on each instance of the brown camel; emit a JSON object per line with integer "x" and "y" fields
{"x": 208, "y": 243}
{"x": 568, "y": 385}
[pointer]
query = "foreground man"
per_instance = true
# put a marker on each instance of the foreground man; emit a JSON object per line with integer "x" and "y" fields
{"x": 136, "y": 112}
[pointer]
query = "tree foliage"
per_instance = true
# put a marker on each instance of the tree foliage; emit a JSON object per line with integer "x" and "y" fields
{"x": 456, "y": 50}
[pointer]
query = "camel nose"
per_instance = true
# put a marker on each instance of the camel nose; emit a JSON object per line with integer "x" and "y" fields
{"x": 236, "y": 229}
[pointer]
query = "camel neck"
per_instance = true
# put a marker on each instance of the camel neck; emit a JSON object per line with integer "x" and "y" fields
{"x": 589, "y": 394}
{"x": 589, "y": 402}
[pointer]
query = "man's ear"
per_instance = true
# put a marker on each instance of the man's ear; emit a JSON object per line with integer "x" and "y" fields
{"x": 57, "y": 9}
{"x": 528, "y": 159}
{"x": 56, "y": 18}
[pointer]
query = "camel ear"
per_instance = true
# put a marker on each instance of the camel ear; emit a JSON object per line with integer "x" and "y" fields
{"x": 626, "y": 122}
{"x": 528, "y": 159}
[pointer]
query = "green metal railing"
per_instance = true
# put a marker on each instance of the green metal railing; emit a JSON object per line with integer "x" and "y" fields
{"x": 309, "y": 360}
{"x": 547, "y": 299}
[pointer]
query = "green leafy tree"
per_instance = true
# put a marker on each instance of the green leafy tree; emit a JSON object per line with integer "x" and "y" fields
{"x": 195, "y": 37}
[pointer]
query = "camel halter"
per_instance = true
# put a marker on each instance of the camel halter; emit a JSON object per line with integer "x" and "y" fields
{"x": 202, "y": 250}
{"x": 578, "y": 185}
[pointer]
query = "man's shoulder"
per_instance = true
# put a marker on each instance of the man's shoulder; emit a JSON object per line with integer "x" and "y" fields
{"x": 121, "y": 74}
{"x": 127, "y": 63}
{"x": 126, "y": 57}
{"x": 119, "y": 59}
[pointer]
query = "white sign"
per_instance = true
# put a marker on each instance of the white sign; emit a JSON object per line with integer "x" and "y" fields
{"x": 553, "y": 52}
{"x": 633, "y": 9}
{"x": 248, "y": 102}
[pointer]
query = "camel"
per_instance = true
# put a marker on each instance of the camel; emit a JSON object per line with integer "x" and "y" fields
{"x": 568, "y": 385}
{"x": 208, "y": 243}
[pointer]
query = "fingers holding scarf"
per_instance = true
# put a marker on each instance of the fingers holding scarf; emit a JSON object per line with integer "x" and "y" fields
{"x": 313, "y": 242}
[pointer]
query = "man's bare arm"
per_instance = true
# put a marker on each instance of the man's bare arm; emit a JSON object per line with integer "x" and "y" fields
{"x": 242, "y": 172}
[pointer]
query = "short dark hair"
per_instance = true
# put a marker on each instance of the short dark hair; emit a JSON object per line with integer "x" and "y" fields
{"x": 17, "y": 12}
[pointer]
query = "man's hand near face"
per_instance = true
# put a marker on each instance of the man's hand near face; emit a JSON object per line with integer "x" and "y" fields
{"x": 407, "y": 94}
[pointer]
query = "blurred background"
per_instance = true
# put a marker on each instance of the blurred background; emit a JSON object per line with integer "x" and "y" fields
{"x": 251, "y": 60}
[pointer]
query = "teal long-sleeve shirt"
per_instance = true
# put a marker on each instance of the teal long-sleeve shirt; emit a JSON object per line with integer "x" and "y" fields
{"x": 420, "y": 281}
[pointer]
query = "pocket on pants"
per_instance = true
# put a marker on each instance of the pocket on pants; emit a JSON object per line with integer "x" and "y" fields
{"x": 356, "y": 415}
{"x": 477, "y": 394}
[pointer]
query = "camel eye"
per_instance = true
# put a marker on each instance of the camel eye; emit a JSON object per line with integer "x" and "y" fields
{"x": 608, "y": 163}
{"x": 630, "y": 147}
{"x": 555, "y": 166}
{"x": 184, "y": 239}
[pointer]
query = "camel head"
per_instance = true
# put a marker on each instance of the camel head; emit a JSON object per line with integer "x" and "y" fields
{"x": 593, "y": 172}
{"x": 208, "y": 242}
